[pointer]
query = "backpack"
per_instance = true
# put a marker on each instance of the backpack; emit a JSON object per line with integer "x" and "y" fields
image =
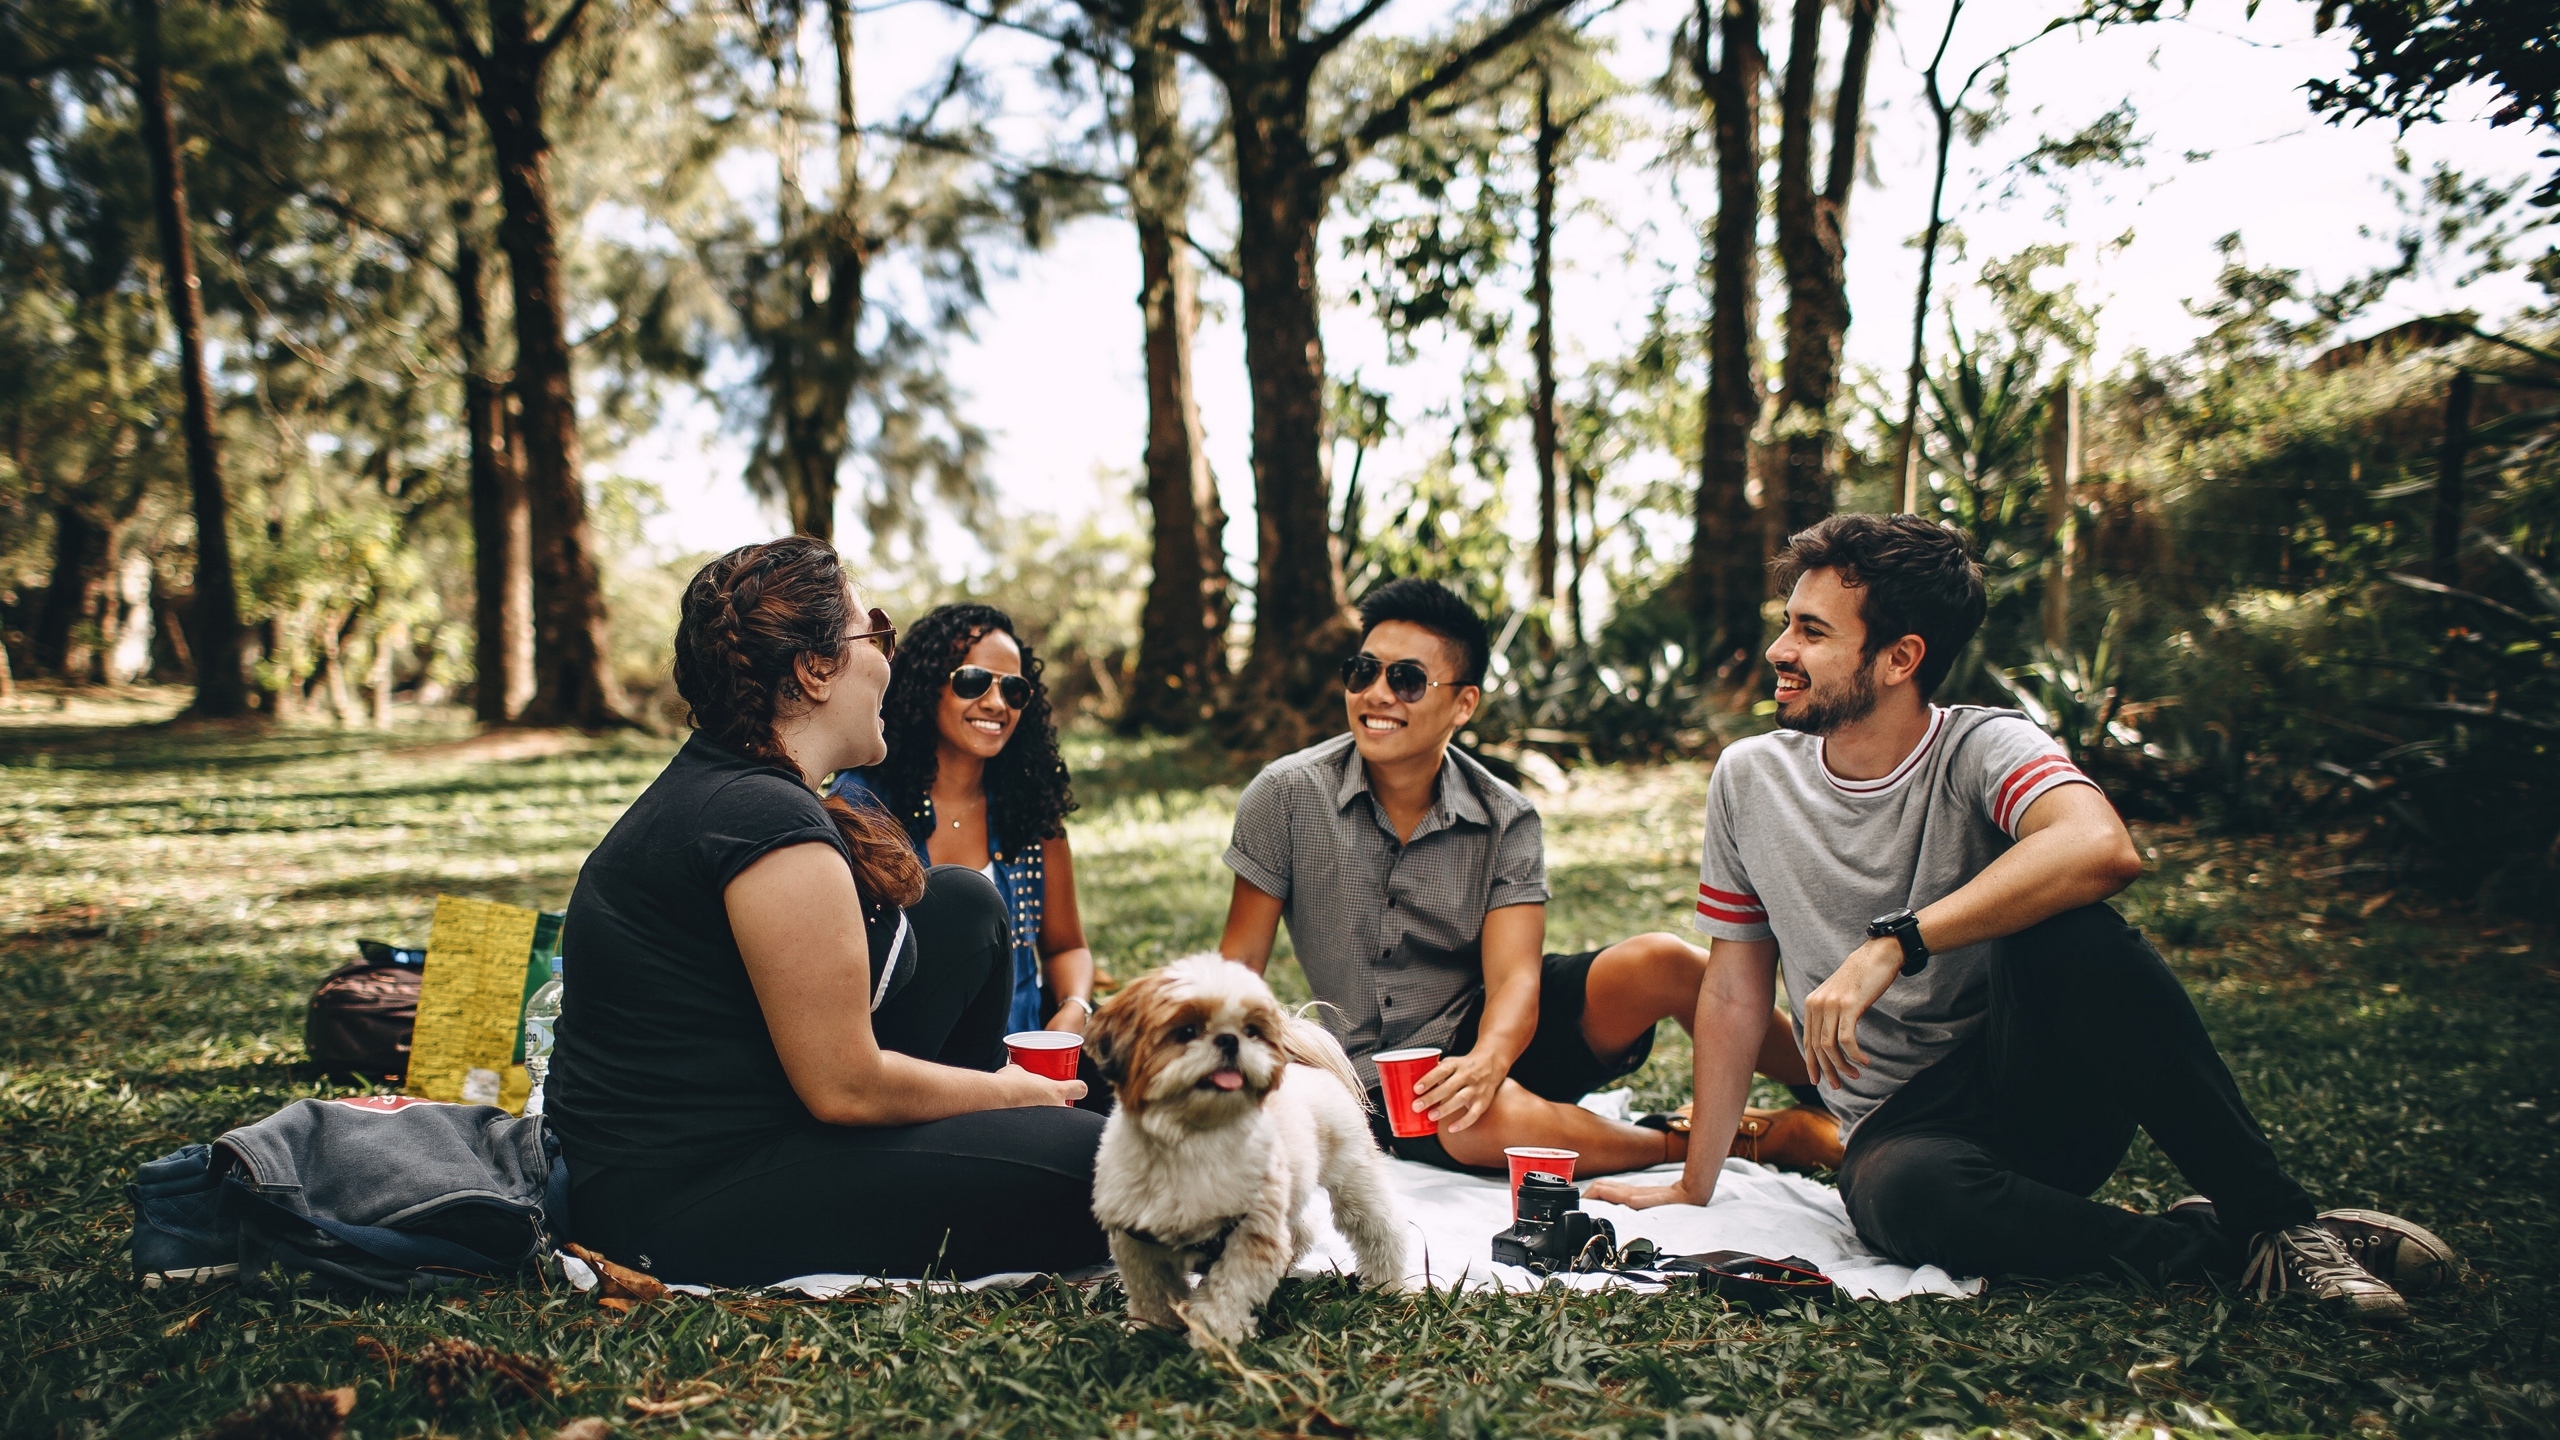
{"x": 362, "y": 1014}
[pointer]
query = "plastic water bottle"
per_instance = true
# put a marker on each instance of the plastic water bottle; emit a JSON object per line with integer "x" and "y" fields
{"x": 541, "y": 1022}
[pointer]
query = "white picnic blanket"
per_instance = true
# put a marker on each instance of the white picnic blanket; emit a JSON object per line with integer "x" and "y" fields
{"x": 1452, "y": 1218}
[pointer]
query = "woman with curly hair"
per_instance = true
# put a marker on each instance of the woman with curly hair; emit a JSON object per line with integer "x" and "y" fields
{"x": 974, "y": 775}
{"x": 782, "y": 1045}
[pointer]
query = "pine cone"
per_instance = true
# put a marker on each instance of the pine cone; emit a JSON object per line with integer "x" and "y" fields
{"x": 447, "y": 1368}
{"x": 289, "y": 1412}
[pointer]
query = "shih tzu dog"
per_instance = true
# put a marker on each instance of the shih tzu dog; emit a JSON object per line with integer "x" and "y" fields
{"x": 1231, "y": 1111}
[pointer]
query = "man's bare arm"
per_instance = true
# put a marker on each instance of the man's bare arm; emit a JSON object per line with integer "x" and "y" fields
{"x": 1253, "y": 926}
{"x": 2072, "y": 851}
{"x": 1456, "y": 1092}
{"x": 1733, "y": 1016}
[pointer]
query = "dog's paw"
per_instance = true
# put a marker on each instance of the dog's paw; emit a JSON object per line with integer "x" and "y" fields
{"x": 1204, "y": 1338}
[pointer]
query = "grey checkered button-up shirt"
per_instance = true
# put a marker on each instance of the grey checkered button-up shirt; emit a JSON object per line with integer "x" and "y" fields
{"x": 1389, "y": 932}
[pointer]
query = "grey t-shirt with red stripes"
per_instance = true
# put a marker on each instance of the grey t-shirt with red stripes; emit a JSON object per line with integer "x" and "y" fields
{"x": 1796, "y": 853}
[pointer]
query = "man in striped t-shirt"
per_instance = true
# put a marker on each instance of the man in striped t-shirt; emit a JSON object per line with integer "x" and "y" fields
{"x": 1930, "y": 882}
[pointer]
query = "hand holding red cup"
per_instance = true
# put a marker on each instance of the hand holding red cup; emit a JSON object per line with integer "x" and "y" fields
{"x": 1400, "y": 1072}
{"x": 1052, "y": 1053}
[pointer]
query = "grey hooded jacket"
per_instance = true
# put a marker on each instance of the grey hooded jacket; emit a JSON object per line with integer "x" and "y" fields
{"x": 384, "y": 1193}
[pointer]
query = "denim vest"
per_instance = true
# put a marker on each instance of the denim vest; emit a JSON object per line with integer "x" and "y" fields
{"x": 1021, "y": 879}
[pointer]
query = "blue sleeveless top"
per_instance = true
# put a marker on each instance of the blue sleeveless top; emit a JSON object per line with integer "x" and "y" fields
{"x": 1021, "y": 879}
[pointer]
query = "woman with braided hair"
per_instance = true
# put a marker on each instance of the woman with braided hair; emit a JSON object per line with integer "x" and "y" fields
{"x": 974, "y": 774}
{"x": 781, "y": 1050}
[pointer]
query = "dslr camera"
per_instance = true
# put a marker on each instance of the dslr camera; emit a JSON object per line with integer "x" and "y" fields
{"x": 1553, "y": 1233}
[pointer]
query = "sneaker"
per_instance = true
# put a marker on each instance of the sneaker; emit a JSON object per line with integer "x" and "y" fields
{"x": 2310, "y": 1259}
{"x": 2408, "y": 1258}
{"x": 2405, "y": 1256}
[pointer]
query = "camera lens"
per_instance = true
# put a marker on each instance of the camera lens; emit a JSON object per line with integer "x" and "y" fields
{"x": 1543, "y": 1197}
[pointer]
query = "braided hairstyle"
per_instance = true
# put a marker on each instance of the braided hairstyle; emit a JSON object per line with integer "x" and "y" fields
{"x": 1028, "y": 794}
{"x": 748, "y": 618}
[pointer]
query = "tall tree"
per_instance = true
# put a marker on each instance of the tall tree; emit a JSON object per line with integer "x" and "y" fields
{"x": 1182, "y": 638}
{"x": 1266, "y": 56}
{"x": 1812, "y": 246}
{"x": 573, "y": 679}
{"x": 221, "y": 689}
{"x": 1724, "y": 554}
{"x": 801, "y": 300}
{"x": 1542, "y": 335}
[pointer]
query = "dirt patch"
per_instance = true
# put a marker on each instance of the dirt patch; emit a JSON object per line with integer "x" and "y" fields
{"x": 501, "y": 745}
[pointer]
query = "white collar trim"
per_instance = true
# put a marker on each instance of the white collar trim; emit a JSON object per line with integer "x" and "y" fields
{"x": 1900, "y": 773}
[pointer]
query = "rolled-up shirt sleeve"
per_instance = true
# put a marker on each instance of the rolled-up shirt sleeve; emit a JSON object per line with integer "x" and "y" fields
{"x": 1258, "y": 850}
{"x": 1728, "y": 907}
{"x": 1520, "y": 864}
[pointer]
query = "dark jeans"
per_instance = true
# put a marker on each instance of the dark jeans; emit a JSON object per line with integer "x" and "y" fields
{"x": 980, "y": 1194}
{"x": 1983, "y": 1163}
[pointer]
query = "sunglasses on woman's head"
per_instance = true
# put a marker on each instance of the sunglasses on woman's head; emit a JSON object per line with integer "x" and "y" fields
{"x": 881, "y": 633}
{"x": 971, "y": 681}
{"x": 1406, "y": 679}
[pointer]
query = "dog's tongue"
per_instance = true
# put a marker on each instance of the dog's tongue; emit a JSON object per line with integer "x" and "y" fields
{"x": 1227, "y": 1080}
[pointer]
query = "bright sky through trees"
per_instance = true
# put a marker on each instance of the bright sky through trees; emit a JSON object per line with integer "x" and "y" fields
{"x": 1054, "y": 370}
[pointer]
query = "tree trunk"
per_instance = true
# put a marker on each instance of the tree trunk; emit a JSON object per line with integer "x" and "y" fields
{"x": 1907, "y": 463}
{"x": 2445, "y": 553}
{"x": 1542, "y": 342}
{"x": 573, "y": 676}
{"x": 1812, "y": 246}
{"x": 1300, "y": 624}
{"x": 502, "y": 619}
{"x": 1182, "y": 632}
{"x": 2061, "y": 477}
{"x": 1725, "y": 584}
{"x": 64, "y": 639}
{"x": 812, "y": 364}
{"x": 221, "y": 690}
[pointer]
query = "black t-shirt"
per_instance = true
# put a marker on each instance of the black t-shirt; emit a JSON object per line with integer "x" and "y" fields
{"x": 663, "y": 1058}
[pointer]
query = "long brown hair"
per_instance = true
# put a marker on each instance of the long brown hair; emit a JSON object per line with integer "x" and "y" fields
{"x": 748, "y": 618}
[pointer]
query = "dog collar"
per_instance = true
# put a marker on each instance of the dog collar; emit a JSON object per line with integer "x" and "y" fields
{"x": 1209, "y": 1250}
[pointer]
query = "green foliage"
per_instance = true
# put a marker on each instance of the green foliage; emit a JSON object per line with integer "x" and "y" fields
{"x": 2407, "y": 57}
{"x": 172, "y": 897}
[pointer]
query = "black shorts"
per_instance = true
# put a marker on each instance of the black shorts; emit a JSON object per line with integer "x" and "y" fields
{"x": 1558, "y": 1065}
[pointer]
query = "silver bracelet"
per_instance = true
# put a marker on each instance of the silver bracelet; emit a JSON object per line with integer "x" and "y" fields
{"x": 1080, "y": 1000}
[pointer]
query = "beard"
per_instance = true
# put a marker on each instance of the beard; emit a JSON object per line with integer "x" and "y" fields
{"x": 1824, "y": 711}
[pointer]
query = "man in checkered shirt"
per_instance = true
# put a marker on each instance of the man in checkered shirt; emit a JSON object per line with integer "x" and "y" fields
{"x": 1414, "y": 885}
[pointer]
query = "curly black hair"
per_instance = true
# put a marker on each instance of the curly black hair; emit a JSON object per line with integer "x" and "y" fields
{"x": 1028, "y": 793}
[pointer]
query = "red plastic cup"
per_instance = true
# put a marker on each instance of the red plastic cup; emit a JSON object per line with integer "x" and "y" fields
{"x": 1399, "y": 1071}
{"x": 1045, "y": 1052}
{"x": 1526, "y": 1158}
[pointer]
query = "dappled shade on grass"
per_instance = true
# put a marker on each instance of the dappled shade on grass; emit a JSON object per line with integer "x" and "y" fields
{"x": 168, "y": 899}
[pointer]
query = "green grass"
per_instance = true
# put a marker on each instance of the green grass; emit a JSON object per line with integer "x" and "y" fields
{"x": 167, "y": 899}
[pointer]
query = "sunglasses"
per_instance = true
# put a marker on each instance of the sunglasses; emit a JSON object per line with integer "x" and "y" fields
{"x": 971, "y": 681}
{"x": 1406, "y": 679}
{"x": 881, "y": 633}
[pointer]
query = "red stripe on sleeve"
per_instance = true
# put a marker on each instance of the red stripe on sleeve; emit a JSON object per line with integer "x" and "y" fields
{"x": 1714, "y": 911}
{"x": 1733, "y": 898}
{"x": 2025, "y": 779}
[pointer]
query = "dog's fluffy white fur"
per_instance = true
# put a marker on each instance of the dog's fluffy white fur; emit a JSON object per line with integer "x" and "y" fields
{"x": 1231, "y": 1111}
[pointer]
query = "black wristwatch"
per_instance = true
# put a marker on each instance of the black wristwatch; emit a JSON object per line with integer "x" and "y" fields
{"x": 1903, "y": 926}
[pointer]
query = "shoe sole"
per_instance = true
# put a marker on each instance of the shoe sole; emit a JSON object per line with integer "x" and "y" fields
{"x": 2409, "y": 1258}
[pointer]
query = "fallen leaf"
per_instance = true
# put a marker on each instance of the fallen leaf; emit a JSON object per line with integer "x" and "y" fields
{"x": 620, "y": 1282}
{"x": 586, "y": 1427}
{"x": 659, "y": 1409}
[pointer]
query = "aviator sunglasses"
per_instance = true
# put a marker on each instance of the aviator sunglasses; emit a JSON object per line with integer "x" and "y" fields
{"x": 971, "y": 681}
{"x": 1406, "y": 679}
{"x": 881, "y": 633}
